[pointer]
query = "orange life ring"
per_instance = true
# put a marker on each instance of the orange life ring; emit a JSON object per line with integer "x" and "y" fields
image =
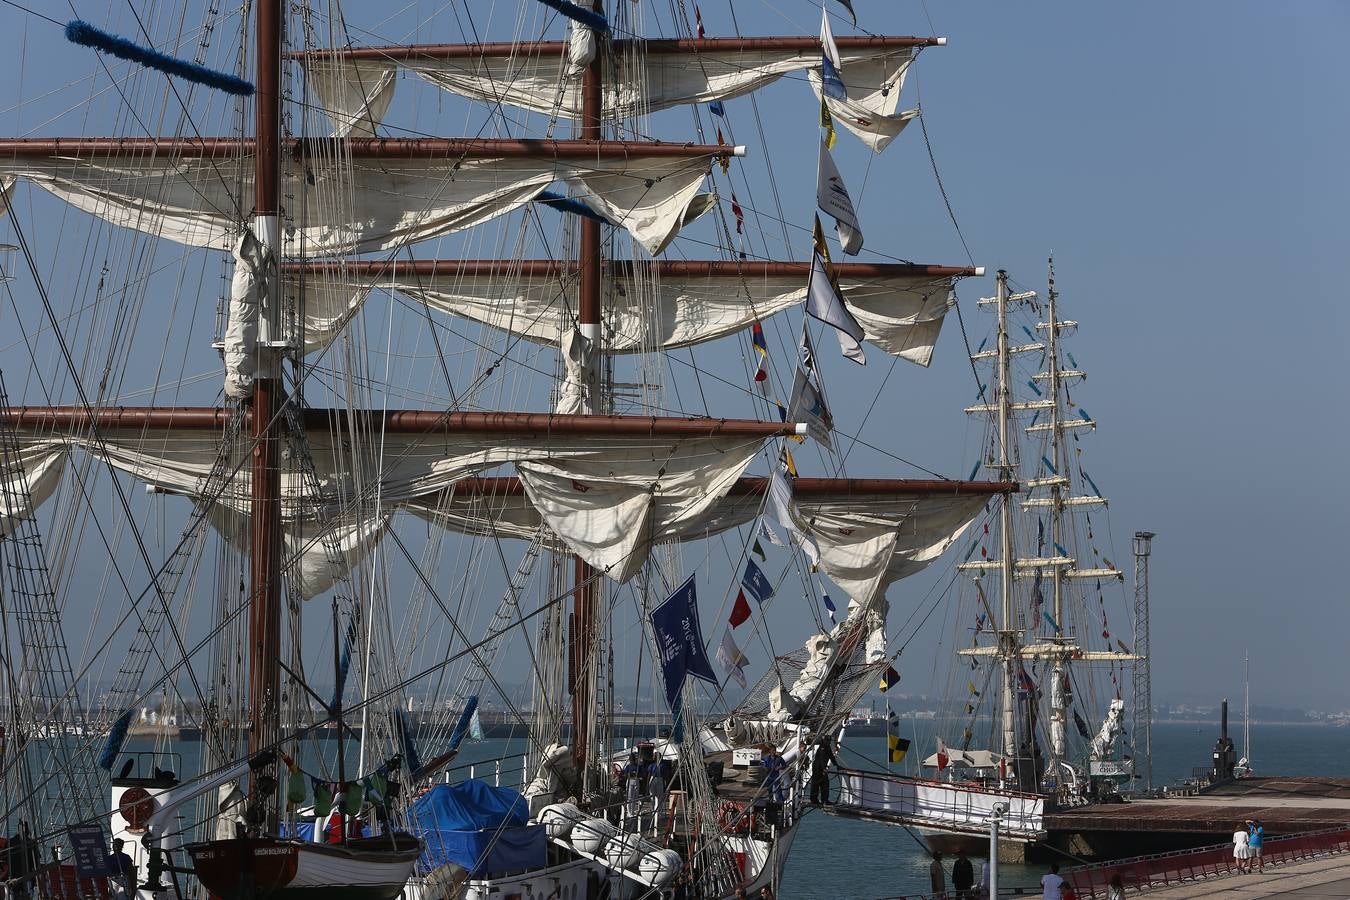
{"x": 732, "y": 818}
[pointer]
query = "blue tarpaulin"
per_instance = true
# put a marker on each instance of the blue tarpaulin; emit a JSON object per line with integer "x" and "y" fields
{"x": 479, "y": 827}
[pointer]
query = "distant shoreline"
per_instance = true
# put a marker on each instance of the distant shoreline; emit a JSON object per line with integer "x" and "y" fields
{"x": 1237, "y": 722}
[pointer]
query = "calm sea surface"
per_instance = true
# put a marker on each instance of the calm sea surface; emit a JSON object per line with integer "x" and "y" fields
{"x": 843, "y": 858}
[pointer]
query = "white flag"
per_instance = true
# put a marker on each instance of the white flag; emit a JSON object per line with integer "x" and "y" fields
{"x": 778, "y": 520}
{"x": 832, "y": 83}
{"x": 808, "y": 405}
{"x": 766, "y": 529}
{"x": 833, "y": 199}
{"x": 732, "y": 659}
{"x": 824, "y": 303}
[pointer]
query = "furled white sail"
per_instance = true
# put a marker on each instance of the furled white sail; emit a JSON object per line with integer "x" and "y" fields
{"x": 316, "y": 556}
{"x": 866, "y": 541}
{"x": 609, "y": 509}
{"x": 635, "y": 83}
{"x": 608, "y": 498}
{"x": 356, "y": 93}
{"x": 249, "y": 287}
{"x": 870, "y": 110}
{"x": 580, "y": 389}
{"x": 362, "y": 205}
{"x": 901, "y": 314}
{"x": 40, "y": 465}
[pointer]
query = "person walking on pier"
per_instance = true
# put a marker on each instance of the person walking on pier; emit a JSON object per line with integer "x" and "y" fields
{"x": 1052, "y": 885}
{"x": 963, "y": 877}
{"x": 937, "y": 876}
{"x": 1242, "y": 850}
{"x": 1256, "y": 837}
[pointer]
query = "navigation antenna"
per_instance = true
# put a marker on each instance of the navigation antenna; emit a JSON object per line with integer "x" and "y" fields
{"x": 1143, "y": 690}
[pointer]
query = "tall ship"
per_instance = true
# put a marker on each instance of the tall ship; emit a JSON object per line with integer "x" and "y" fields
{"x": 461, "y": 433}
{"x": 1034, "y": 719}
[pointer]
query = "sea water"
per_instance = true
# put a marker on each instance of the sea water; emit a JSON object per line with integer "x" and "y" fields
{"x": 839, "y": 858}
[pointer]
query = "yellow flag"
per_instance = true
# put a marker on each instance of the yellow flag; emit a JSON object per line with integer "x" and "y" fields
{"x": 822, "y": 246}
{"x": 789, "y": 465}
{"x": 897, "y": 746}
{"x": 827, "y": 122}
{"x": 973, "y": 691}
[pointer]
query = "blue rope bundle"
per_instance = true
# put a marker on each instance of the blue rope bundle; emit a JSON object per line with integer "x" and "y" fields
{"x": 591, "y": 20}
{"x": 570, "y": 205}
{"x": 87, "y": 35}
{"x": 117, "y": 736}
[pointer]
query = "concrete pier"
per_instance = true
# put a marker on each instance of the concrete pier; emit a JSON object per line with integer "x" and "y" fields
{"x": 1284, "y": 804}
{"x": 1316, "y": 878}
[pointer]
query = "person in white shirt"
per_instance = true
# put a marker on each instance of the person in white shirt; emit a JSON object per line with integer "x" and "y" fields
{"x": 1052, "y": 886}
{"x": 1242, "y": 851}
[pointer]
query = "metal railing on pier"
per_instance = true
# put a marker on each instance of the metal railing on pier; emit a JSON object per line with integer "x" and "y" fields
{"x": 1183, "y": 866}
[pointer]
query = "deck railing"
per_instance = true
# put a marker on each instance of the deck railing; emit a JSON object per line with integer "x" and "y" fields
{"x": 1182, "y": 866}
{"x": 952, "y": 804}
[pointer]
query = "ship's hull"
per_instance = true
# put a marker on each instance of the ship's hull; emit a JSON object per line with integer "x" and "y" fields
{"x": 283, "y": 869}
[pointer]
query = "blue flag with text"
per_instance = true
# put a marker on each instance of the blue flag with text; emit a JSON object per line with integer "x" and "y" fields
{"x": 679, "y": 639}
{"x": 756, "y": 582}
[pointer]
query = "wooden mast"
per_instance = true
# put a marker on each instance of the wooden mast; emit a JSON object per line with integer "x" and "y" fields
{"x": 585, "y": 581}
{"x": 264, "y": 619}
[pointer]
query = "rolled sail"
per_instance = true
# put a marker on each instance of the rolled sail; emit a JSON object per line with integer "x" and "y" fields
{"x": 607, "y": 496}
{"x": 364, "y": 197}
{"x": 665, "y": 304}
{"x": 868, "y": 538}
{"x": 355, "y": 88}
{"x": 871, "y": 108}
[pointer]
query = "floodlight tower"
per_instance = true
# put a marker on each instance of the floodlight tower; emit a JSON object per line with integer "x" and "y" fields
{"x": 1143, "y": 693}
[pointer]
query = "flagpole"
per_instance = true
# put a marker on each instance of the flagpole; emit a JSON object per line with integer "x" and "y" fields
{"x": 888, "y": 737}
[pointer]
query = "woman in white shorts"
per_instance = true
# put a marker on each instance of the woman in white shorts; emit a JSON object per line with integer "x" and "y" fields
{"x": 1242, "y": 851}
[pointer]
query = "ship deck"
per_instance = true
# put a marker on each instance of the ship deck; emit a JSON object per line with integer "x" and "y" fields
{"x": 1283, "y": 804}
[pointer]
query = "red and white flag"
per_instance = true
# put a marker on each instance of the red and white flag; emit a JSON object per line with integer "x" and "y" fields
{"x": 942, "y": 758}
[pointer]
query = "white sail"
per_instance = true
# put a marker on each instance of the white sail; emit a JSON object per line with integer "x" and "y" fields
{"x": 356, "y": 93}
{"x": 611, "y": 508}
{"x": 872, "y": 109}
{"x": 362, "y": 205}
{"x": 607, "y": 497}
{"x": 900, "y": 314}
{"x": 40, "y": 465}
{"x": 318, "y": 556}
{"x": 866, "y": 541}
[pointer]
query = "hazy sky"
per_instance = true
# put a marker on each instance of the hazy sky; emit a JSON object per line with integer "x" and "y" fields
{"x": 1185, "y": 165}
